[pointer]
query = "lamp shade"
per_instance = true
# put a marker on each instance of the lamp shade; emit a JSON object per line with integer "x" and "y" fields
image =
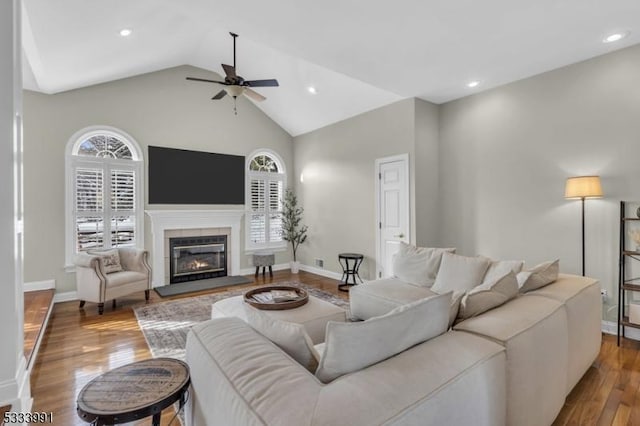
{"x": 583, "y": 187}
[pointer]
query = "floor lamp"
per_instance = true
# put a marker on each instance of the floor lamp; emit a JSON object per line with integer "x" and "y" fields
{"x": 582, "y": 187}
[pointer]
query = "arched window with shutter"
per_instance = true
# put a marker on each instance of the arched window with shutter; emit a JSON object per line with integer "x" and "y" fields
{"x": 266, "y": 178}
{"x": 103, "y": 191}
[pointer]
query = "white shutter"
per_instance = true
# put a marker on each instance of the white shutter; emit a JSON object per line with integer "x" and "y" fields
{"x": 275, "y": 210}
{"x": 89, "y": 232}
{"x": 122, "y": 190}
{"x": 257, "y": 228}
{"x": 89, "y": 190}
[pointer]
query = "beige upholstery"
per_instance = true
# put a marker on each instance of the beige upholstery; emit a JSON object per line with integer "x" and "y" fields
{"x": 239, "y": 377}
{"x": 533, "y": 330}
{"x": 94, "y": 285}
{"x": 379, "y": 297}
{"x": 582, "y": 302}
{"x": 313, "y": 315}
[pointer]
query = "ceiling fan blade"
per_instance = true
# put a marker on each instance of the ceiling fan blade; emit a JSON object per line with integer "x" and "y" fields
{"x": 262, "y": 83}
{"x": 254, "y": 95}
{"x": 221, "y": 94}
{"x": 206, "y": 81}
{"x": 229, "y": 71}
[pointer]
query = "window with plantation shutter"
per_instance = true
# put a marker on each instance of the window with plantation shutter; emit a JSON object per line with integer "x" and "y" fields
{"x": 265, "y": 187}
{"x": 104, "y": 202}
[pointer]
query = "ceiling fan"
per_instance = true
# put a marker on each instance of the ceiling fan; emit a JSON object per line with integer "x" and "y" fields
{"x": 235, "y": 85}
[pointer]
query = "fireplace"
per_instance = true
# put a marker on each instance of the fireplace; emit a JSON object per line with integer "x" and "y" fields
{"x": 197, "y": 258}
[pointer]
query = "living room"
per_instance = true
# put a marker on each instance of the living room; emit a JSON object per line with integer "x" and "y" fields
{"x": 487, "y": 169}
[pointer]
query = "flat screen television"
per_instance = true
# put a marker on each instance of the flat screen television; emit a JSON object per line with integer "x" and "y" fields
{"x": 180, "y": 176}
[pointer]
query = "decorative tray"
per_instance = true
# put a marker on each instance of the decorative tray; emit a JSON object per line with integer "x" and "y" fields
{"x": 276, "y": 297}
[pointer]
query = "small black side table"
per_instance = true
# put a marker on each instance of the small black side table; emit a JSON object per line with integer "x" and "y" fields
{"x": 349, "y": 270}
{"x": 134, "y": 391}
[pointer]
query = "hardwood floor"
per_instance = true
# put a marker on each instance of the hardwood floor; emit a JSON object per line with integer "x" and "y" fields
{"x": 36, "y": 307}
{"x": 80, "y": 344}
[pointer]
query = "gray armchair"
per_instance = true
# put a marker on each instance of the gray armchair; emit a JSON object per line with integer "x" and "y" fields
{"x": 97, "y": 286}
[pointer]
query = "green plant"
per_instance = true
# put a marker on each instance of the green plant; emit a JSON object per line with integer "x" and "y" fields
{"x": 292, "y": 231}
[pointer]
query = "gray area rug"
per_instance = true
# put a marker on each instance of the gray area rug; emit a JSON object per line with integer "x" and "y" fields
{"x": 165, "y": 325}
{"x": 199, "y": 285}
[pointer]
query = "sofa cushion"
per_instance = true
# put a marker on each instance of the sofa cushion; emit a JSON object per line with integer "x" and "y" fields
{"x": 459, "y": 273}
{"x": 539, "y": 276}
{"x": 379, "y": 297}
{"x": 534, "y": 332}
{"x": 418, "y": 265}
{"x": 290, "y": 337}
{"x": 110, "y": 260}
{"x": 115, "y": 279}
{"x": 583, "y": 304}
{"x": 488, "y": 295}
{"x": 353, "y": 346}
{"x": 498, "y": 268}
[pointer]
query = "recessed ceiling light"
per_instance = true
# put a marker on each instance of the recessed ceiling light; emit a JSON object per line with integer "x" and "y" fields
{"x": 312, "y": 90}
{"x": 125, "y": 32}
{"x": 614, "y": 37}
{"x": 473, "y": 83}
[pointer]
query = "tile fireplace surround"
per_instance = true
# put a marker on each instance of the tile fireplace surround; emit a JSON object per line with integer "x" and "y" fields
{"x": 181, "y": 220}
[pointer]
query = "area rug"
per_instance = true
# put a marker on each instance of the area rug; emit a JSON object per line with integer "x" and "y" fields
{"x": 199, "y": 285}
{"x": 165, "y": 325}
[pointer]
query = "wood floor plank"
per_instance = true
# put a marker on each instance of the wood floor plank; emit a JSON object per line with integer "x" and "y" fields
{"x": 80, "y": 344}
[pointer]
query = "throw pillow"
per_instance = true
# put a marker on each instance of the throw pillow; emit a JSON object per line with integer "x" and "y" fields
{"x": 352, "y": 346}
{"x": 456, "y": 298}
{"x": 459, "y": 273}
{"x": 291, "y": 337}
{"x": 539, "y": 276}
{"x": 418, "y": 265}
{"x": 110, "y": 260}
{"x": 499, "y": 268}
{"x": 488, "y": 295}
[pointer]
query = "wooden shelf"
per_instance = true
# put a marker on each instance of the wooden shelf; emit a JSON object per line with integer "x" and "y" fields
{"x": 631, "y": 218}
{"x": 631, "y": 287}
{"x": 626, "y": 323}
{"x": 631, "y": 253}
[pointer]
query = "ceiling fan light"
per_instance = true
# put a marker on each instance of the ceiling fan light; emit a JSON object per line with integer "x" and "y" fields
{"x": 234, "y": 90}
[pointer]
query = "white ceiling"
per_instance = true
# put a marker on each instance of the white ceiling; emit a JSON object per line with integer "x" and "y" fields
{"x": 359, "y": 55}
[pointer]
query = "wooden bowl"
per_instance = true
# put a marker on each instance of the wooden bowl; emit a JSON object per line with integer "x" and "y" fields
{"x": 277, "y": 306}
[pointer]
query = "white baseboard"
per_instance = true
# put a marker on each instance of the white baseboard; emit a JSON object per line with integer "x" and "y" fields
{"x": 252, "y": 270}
{"x": 611, "y": 327}
{"x": 67, "y": 296}
{"x": 16, "y": 392}
{"x": 321, "y": 272}
{"x": 39, "y": 285}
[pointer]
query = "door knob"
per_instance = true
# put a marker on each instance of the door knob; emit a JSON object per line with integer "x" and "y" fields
{"x": 400, "y": 235}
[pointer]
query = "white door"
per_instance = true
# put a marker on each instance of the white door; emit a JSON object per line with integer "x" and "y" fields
{"x": 392, "y": 210}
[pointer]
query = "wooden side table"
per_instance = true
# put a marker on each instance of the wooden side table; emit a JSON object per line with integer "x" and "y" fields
{"x": 134, "y": 391}
{"x": 349, "y": 270}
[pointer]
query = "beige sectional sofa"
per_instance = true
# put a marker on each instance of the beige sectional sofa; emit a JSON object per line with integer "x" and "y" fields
{"x": 511, "y": 365}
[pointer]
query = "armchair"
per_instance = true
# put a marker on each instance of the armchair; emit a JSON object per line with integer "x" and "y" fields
{"x": 97, "y": 286}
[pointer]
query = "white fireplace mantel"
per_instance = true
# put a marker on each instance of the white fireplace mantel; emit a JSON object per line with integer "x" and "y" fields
{"x": 163, "y": 220}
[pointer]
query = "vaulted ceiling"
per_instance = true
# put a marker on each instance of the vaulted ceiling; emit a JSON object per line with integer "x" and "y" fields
{"x": 358, "y": 55}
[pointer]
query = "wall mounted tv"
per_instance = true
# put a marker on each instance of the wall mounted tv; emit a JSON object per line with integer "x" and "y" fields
{"x": 179, "y": 176}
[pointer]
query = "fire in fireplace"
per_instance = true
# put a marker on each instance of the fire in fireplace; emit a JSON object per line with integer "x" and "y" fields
{"x": 197, "y": 258}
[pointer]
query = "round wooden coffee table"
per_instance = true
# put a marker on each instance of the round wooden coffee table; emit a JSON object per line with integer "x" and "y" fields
{"x": 134, "y": 391}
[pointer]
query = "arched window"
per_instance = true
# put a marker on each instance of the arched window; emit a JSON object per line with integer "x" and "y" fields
{"x": 266, "y": 177}
{"x": 104, "y": 191}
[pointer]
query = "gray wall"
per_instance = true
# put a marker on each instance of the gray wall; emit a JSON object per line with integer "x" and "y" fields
{"x": 426, "y": 174}
{"x": 338, "y": 192}
{"x": 161, "y": 109}
{"x": 505, "y": 155}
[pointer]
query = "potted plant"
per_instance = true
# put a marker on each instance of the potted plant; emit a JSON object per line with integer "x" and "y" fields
{"x": 292, "y": 231}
